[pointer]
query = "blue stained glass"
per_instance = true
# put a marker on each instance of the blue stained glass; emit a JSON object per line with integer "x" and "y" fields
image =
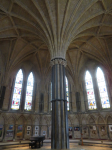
{"x": 29, "y": 92}
{"x": 102, "y": 89}
{"x": 17, "y": 91}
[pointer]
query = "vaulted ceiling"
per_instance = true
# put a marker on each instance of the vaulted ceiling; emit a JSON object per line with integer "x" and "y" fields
{"x": 38, "y": 30}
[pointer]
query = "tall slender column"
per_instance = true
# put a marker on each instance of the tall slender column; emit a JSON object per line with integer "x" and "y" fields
{"x": 59, "y": 134}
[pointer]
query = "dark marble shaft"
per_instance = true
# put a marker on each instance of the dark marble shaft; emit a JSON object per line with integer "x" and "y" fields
{"x": 59, "y": 135}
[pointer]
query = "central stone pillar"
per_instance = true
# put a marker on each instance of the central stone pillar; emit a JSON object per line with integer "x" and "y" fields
{"x": 59, "y": 133}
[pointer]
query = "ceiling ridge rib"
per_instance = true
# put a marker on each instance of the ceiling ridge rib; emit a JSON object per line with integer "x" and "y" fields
{"x": 33, "y": 15}
{"x": 81, "y": 28}
{"x": 69, "y": 32}
{"x": 96, "y": 25}
{"x": 64, "y": 19}
{"x": 53, "y": 44}
{"x": 74, "y": 11}
{"x": 44, "y": 18}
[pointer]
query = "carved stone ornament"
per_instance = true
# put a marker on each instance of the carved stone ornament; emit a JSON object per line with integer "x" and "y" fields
{"x": 58, "y": 61}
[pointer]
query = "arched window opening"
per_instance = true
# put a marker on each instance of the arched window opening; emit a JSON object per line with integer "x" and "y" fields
{"x": 102, "y": 89}
{"x": 17, "y": 91}
{"x": 67, "y": 93}
{"x": 29, "y": 92}
{"x": 90, "y": 91}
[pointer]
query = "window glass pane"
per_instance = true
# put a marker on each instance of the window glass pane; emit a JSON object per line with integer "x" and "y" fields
{"x": 17, "y": 91}
{"x": 102, "y": 89}
{"x": 67, "y": 93}
{"x": 90, "y": 91}
{"x": 29, "y": 92}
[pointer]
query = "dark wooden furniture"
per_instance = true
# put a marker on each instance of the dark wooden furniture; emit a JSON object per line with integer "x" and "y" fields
{"x": 35, "y": 140}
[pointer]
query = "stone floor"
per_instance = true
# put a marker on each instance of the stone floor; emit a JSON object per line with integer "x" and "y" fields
{"x": 47, "y": 146}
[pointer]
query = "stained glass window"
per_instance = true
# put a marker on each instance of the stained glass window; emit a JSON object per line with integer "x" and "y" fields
{"x": 29, "y": 92}
{"x": 67, "y": 92}
{"x": 102, "y": 89}
{"x": 90, "y": 91}
{"x": 17, "y": 91}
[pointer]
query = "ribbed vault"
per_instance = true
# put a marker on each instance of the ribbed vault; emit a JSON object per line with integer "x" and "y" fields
{"x": 80, "y": 27}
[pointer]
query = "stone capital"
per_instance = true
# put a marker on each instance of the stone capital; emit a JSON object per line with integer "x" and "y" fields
{"x": 57, "y": 61}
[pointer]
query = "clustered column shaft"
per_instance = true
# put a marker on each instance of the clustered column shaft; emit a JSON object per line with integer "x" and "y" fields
{"x": 59, "y": 135}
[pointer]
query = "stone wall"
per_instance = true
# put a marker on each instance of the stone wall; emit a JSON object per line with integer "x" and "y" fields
{"x": 92, "y": 126}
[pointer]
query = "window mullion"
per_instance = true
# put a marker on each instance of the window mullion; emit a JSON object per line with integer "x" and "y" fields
{"x": 23, "y": 95}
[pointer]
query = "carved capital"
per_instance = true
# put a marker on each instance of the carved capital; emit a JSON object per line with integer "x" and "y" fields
{"x": 58, "y": 61}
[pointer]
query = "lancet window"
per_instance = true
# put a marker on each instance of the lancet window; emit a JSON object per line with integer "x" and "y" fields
{"x": 102, "y": 89}
{"x": 90, "y": 91}
{"x": 16, "y": 99}
{"x": 29, "y": 92}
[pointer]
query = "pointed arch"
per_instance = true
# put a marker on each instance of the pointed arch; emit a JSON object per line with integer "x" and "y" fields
{"x": 67, "y": 92}
{"x": 11, "y": 120}
{"x": 90, "y": 91}
{"x": 102, "y": 88}
{"x": 83, "y": 121}
{"x": 16, "y": 99}
{"x": 109, "y": 119}
{"x": 29, "y": 92}
{"x": 76, "y": 121}
{"x": 101, "y": 120}
{"x": 21, "y": 120}
{"x": 91, "y": 119}
{"x": 36, "y": 120}
{"x": 29, "y": 121}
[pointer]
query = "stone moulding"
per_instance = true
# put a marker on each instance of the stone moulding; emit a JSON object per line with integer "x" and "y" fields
{"x": 58, "y": 61}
